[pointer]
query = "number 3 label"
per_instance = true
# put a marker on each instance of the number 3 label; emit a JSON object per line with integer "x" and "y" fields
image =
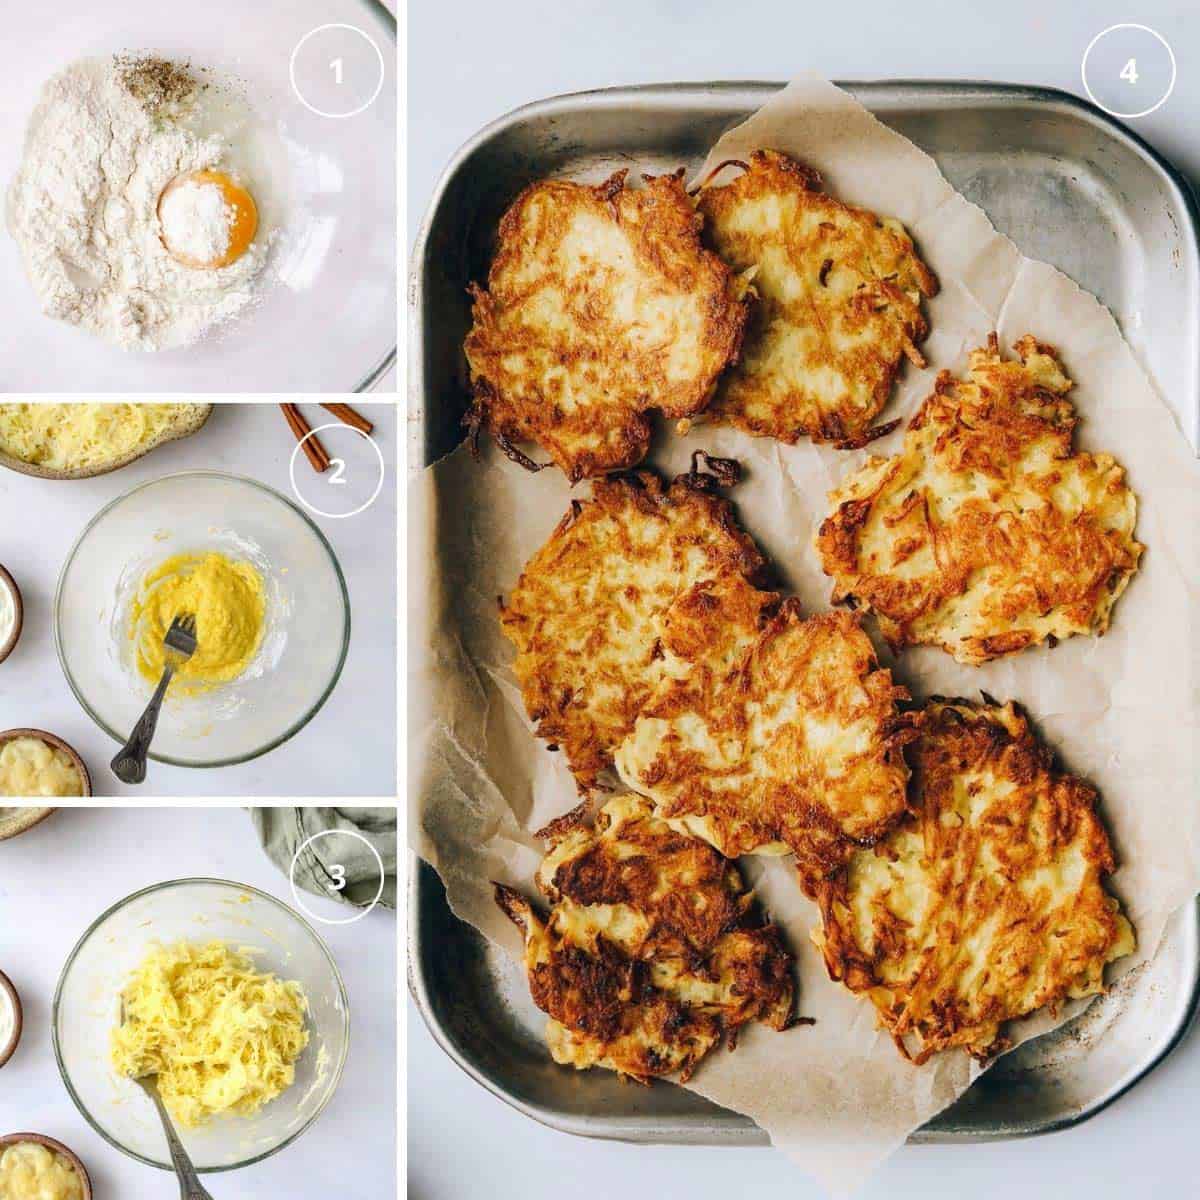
{"x": 1128, "y": 71}
{"x": 339, "y": 878}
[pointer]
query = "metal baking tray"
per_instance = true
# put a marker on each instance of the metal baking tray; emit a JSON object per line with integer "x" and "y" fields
{"x": 1070, "y": 186}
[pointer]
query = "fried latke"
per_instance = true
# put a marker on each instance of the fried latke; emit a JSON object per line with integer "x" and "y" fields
{"x": 988, "y": 902}
{"x": 601, "y": 304}
{"x": 839, "y": 304}
{"x": 585, "y": 615}
{"x": 653, "y": 950}
{"x": 985, "y": 534}
{"x": 770, "y": 733}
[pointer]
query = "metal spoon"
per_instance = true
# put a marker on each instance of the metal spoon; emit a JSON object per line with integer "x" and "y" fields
{"x": 190, "y": 1187}
{"x": 129, "y": 766}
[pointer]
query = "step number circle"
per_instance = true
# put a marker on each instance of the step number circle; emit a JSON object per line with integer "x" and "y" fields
{"x": 1128, "y": 70}
{"x": 360, "y": 913}
{"x": 337, "y": 71}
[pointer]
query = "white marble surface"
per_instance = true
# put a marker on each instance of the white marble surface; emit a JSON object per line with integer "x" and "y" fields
{"x": 57, "y": 878}
{"x": 462, "y": 74}
{"x": 349, "y": 748}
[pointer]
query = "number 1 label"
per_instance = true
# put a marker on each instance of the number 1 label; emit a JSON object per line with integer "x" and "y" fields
{"x": 337, "y": 67}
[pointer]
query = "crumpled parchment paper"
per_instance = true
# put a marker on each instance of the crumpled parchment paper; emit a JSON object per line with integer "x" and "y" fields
{"x": 1120, "y": 710}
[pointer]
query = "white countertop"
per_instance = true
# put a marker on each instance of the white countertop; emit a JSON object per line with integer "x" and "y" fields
{"x": 57, "y": 878}
{"x": 465, "y": 72}
{"x": 349, "y": 748}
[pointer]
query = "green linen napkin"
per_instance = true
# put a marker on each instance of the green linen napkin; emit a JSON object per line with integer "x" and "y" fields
{"x": 283, "y": 830}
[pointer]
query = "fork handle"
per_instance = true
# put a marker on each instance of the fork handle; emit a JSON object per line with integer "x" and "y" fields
{"x": 190, "y": 1187}
{"x": 129, "y": 766}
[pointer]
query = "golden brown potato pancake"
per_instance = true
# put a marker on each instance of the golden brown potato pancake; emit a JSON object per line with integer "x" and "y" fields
{"x": 986, "y": 533}
{"x": 770, "y": 733}
{"x": 988, "y": 901}
{"x": 585, "y": 615}
{"x": 653, "y": 950}
{"x": 839, "y": 304}
{"x": 601, "y": 304}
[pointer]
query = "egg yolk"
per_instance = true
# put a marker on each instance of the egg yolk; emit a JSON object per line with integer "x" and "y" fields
{"x": 208, "y": 220}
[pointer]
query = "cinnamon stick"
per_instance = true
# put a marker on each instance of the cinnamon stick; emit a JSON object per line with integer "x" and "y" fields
{"x": 311, "y": 446}
{"x": 349, "y": 416}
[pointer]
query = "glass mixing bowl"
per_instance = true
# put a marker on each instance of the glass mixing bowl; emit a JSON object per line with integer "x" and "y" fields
{"x": 326, "y": 321}
{"x": 307, "y": 616}
{"x": 87, "y": 1006}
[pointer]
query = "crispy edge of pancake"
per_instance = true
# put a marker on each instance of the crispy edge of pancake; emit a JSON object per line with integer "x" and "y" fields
{"x": 653, "y": 951}
{"x": 563, "y": 657}
{"x": 663, "y": 229}
{"x": 847, "y": 427}
{"x": 1033, "y": 392}
{"x": 690, "y": 751}
{"x": 900, "y": 975}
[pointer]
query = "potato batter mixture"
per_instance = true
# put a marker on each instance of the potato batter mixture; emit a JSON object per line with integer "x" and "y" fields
{"x": 31, "y": 767}
{"x": 229, "y": 603}
{"x": 221, "y": 1036}
{"x": 31, "y": 1171}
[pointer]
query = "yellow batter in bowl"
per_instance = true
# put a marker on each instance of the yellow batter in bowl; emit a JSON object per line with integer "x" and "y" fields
{"x": 228, "y": 600}
{"x": 221, "y": 1036}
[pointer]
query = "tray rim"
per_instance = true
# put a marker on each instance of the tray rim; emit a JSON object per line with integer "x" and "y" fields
{"x": 885, "y": 94}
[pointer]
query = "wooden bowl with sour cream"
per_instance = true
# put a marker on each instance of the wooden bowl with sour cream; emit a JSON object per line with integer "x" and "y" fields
{"x": 8, "y": 641}
{"x": 57, "y": 1147}
{"x": 51, "y": 739}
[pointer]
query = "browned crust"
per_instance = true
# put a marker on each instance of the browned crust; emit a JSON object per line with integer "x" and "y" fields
{"x": 883, "y": 302}
{"x": 616, "y": 380}
{"x": 937, "y": 1006}
{"x": 583, "y": 614}
{"x": 748, "y": 652}
{"x": 699, "y": 921}
{"x": 1040, "y": 558}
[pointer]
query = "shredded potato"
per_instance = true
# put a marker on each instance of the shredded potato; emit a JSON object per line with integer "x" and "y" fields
{"x": 221, "y": 1036}
{"x": 72, "y": 437}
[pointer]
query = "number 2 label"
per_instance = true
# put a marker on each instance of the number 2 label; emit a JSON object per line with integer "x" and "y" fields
{"x": 1128, "y": 71}
{"x": 339, "y": 471}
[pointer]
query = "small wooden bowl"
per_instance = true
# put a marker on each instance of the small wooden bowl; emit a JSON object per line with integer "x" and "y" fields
{"x": 10, "y": 584}
{"x": 12, "y": 1139}
{"x": 9, "y": 1048}
{"x": 192, "y": 423}
{"x": 51, "y": 739}
{"x": 21, "y": 819}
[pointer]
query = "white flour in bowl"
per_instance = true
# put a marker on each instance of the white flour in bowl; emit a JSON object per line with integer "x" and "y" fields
{"x": 101, "y": 146}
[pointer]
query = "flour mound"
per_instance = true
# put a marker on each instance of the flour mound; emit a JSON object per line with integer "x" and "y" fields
{"x": 83, "y": 211}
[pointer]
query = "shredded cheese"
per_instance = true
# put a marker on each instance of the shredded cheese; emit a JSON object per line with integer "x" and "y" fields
{"x": 221, "y": 1036}
{"x": 71, "y": 437}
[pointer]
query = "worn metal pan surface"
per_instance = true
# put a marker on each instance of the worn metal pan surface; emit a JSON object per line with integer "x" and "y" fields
{"x": 1068, "y": 185}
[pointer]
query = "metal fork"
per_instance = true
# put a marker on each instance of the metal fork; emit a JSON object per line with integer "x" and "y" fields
{"x": 129, "y": 766}
{"x": 190, "y": 1187}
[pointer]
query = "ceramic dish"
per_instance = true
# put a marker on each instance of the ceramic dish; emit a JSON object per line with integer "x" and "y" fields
{"x": 9, "y": 1046}
{"x": 10, "y": 643}
{"x": 11, "y": 1139}
{"x": 193, "y": 424}
{"x": 325, "y": 319}
{"x": 87, "y": 1006}
{"x": 17, "y": 820}
{"x": 52, "y": 739}
{"x": 303, "y": 648}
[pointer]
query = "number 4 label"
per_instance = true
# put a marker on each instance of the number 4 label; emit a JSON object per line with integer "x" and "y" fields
{"x": 1128, "y": 71}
